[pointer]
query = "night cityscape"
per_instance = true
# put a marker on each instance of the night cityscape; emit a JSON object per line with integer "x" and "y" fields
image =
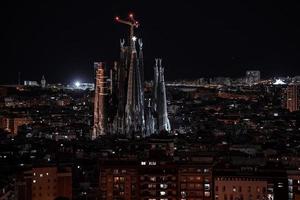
{"x": 150, "y": 100}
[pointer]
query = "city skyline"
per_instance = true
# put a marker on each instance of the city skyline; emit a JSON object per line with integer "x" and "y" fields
{"x": 204, "y": 40}
{"x": 151, "y": 101}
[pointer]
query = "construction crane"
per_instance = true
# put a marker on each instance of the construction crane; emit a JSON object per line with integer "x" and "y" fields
{"x": 132, "y": 23}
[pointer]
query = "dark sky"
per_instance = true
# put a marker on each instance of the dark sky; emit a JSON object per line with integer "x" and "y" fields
{"x": 62, "y": 39}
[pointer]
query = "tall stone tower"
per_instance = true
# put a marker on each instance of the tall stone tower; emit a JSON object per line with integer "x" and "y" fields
{"x": 99, "y": 127}
{"x": 43, "y": 82}
{"x": 134, "y": 122}
{"x": 163, "y": 120}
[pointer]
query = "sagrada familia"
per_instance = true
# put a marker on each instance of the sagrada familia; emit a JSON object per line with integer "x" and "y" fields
{"x": 120, "y": 106}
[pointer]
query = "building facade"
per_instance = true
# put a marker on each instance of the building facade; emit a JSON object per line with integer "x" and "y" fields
{"x": 252, "y": 77}
{"x": 44, "y": 183}
{"x": 155, "y": 180}
{"x": 293, "y": 97}
{"x": 12, "y": 124}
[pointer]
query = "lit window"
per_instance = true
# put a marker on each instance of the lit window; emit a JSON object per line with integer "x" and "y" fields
{"x": 34, "y": 181}
{"x": 143, "y": 163}
{"x": 116, "y": 179}
{"x": 207, "y": 194}
{"x": 151, "y": 185}
{"x": 207, "y": 186}
{"x": 206, "y": 170}
{"x": 41, "y": 175}
{"x": 162, "y": 193}
{"x": 47, "y": 173}
{"x": 163, "y": 186}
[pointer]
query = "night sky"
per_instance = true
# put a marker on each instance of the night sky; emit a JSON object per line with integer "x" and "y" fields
{"x": 62, "y": 39}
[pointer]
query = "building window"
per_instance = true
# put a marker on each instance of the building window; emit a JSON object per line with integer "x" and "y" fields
{"x": 162, "y": 193}
{"x": 207, "y": 194}
{"x": 183, "y": 194}
{"x": 116, "y": 179}
{"x": 207, "y": 186}
{"x": 206, "y": 170}
{"x": 151, "y": 185}
{"x": 234, "y": 189}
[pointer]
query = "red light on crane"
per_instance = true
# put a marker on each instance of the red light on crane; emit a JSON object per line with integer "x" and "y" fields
{"x": 131, "y": 15}
{"x": 117, "y": 18}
